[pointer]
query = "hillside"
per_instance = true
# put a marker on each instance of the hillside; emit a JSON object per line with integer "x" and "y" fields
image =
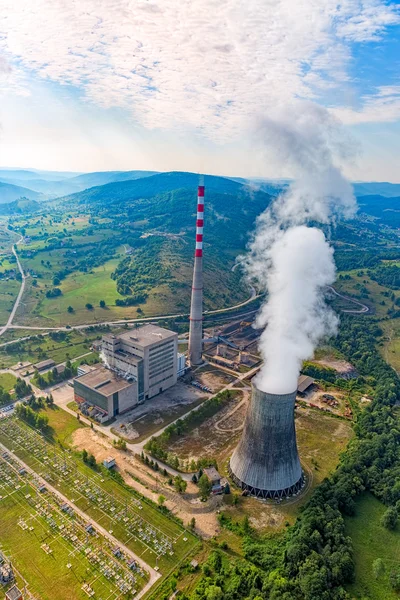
{"x": 131, "y": 244}
{"x": 387, "y": 210}
{"x": 151, "y": 186}
{"x": 62, "y": 186}
{"x": 10, "y": 193}
{"x": 87, "y": 180}
{"x": 375, "y": 188}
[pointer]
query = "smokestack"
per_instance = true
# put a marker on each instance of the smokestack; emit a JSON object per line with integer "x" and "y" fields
{"x": 196, "y": 307}
{"x": 266, "y": 462}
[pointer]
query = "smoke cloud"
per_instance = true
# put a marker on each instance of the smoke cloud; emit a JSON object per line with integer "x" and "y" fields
{"x": 288, "y": 258}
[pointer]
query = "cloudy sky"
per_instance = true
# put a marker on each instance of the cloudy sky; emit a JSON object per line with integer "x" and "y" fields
{"x": 184, "y": 84}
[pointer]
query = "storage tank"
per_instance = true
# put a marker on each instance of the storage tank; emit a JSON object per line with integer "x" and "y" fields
{"x": 266, "y": 462}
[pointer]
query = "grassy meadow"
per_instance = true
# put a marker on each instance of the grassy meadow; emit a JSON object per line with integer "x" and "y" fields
{"x": 371, "y": 541}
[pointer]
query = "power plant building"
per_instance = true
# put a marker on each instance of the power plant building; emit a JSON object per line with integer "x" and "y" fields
{"x": 147, "y": 355}
{"x": 139, "y": 364}
{"x": 266, "y": 462}
{"x": 108, "y": 394}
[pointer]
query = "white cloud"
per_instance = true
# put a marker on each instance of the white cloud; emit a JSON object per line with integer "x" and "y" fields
{"x": 194, "y": 64}
{"x": 382, "y": 107}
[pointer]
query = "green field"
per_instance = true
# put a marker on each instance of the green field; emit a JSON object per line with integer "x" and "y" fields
{"x": 76, "y": 344}
{"x": 7, "y": 381}
{"x": 375, "y": 296}
{"x": 8, "y": 294}
{"x": 61, "y": 424}
{"x": 372, "y": 541}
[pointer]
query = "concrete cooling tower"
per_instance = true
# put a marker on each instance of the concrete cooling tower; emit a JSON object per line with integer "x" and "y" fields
{"x": 266, "y": 463}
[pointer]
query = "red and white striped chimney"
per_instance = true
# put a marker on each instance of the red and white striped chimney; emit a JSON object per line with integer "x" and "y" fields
{"x": 196, "y": 307}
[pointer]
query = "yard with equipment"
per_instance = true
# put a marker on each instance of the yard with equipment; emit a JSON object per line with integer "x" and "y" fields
{"x": 153, "y": 536}
{"x": 57, "y": 551}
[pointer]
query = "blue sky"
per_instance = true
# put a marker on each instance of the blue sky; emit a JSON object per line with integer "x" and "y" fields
{"x": 145, "y": 84}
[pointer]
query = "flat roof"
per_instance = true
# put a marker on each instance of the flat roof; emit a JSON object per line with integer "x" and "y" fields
{"x": 45, "y": 363}
{"x": 212, "y": 473}
{"x": 13, "y": 593}
{"x": 147, "y": 335}
{"x": 103, "y": 381}
{"x": 304, "y": 382}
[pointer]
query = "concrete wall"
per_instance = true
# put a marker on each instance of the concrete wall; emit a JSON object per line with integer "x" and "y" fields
{"x": 127, "y": 398}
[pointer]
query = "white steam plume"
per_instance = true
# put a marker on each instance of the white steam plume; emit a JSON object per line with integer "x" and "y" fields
{"x": 290, "y": 260}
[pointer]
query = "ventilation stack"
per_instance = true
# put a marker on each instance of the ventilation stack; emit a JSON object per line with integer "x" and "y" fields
{"x": 196, "y": 307}
{"x": 266, "y": 462}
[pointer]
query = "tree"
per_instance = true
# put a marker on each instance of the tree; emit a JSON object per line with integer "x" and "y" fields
{"x": 89, "y": 306}
{"x": 192, "y": 523}
{"x": 173, "y": 583}
{"x": 394, "y": 579}
{"x": 84, "y": 455}
{"x": 70, "y": 309}
{"x": 214, "y": 592}
{"x": 204, "y": 486}
{"x": 378, "y": 568}
{"x": 161, "y": 500}
{"x": 21, "y": 388}
{"x": 389, "y": 519}
{"x": 194, "y": 478}
{"x": 227, "y": 489}
{"x": 102, "y": 304}
{"x": 179, "y": 484}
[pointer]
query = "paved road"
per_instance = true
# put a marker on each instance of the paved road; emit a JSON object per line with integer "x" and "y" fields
{"x": 21, "y": 291}
{"x": 364, "y": 308}
{"x": 154, "y": 575}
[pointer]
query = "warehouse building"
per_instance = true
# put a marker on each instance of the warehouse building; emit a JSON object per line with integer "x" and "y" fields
{"x": 147, "y": 355}
{"x": 45, "y": 364}
{"x": 304, "y": 383}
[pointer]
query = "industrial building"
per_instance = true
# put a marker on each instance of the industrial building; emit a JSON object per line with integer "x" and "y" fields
{"x": 45, "y": 364}
{"x": 266, "y": 463}
{"x": 139, "y": 364}
{"x": 103, "y": 394}
{"x": 14, "y": 593}
{"x": 304, "y": 383}
{"x": 215, "y": 479}
{"x": 147, "y": 355}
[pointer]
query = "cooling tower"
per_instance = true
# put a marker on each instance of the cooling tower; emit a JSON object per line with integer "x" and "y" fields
{"x": 266, "y": 462}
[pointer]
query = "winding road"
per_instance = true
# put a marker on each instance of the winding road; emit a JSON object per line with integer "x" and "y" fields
{"x": 363, "y": 307}
{"x": 20, "y": 293}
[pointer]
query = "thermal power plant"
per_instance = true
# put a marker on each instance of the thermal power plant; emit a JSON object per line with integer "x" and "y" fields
{"x": 266, "y": 462}
{"x": 196, "y": 307}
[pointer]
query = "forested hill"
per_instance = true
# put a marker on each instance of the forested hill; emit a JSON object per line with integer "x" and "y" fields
{"x": 167, "y": 203}
{"x": 10, "y": 193}
{"x": 387, "y": 210}
{"x": 153, "y": 185}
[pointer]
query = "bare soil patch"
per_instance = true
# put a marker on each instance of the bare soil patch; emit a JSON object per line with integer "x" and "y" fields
{"x": 207, "y": 440}
{"x": 213, "y": 378}
{"x": 152, "y": 484}
{"x": 154, "y": 414}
